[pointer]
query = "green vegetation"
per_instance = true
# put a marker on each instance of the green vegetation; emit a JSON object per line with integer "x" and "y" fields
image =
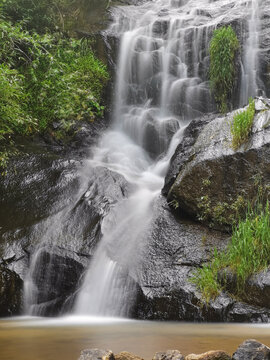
{"x": 223, "y": 50}
{"x": 219, "y": 213}
{"x": 247, "y": 254}
{"x": 44, "y": 78}
{"x": 39, "y": 15}
{"x": 242, "y": 125}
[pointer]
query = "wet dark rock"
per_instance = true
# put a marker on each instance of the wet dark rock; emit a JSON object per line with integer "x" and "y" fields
{"x": 210, "y": 355}
{"x": 103, "y": 189}
{"x": 253, "y": 350}
{"x": 184, "y": 150}
{"x": 158, "y": 135}
{"x": 23, "y": 190}
{"x": 56, "y": 275}
{"x": 96, "y": 354}
{"x": 11, "y": 293}
{"x": 213, "y": 179}
{"x": 161, "y": 26}
{"x": 256, "y": 290}
{"x": 242, "y": 312}
{"x": 124, "y": 355}
{"x": 175, "y": 248}
{"x": 47, "y": 200}
{"x": 168, "y": 355}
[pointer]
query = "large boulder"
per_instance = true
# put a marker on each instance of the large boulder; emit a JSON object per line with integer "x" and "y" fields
{"x": 214, "y": 181}
{"x": 174, "y": 249}
{"x": 55, "y": 275}
{"x": 253, "y": 350}
{"x": 52, "y": 205}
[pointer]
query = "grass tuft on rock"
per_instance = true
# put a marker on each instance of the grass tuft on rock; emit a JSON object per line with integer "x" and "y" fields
{"x": 242, "y": 124}
{"x": 223, "y": 50}
{"x": 247, "y": 254}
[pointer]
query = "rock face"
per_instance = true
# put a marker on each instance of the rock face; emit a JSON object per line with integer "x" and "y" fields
{"x": 96, "y": 354}
{"x": 11, "y": 293}
{"x": 55, "y": 279}
{"x": 51, "y": 214}
{"x": 253, "y": 350}
{"x": 256, "y": 288}
{"x": 214, "y": 181}
{"x": 168, "y": 355}
{"x": 210, "y": 355}
{"x": 174, "y": 249}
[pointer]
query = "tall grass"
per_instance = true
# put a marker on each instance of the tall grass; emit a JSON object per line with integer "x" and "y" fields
{"x": 242, "y": 125}
{"x": 247, "y": 254}
{"x": 223, "y": 49}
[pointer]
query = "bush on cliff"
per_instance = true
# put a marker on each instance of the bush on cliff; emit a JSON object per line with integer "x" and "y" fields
{"x": 45, "y": 78}
{"x": 223, "y": 50}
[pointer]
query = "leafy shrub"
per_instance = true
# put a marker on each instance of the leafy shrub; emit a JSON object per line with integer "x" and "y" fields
{"x": 248, "y": 253}
{"x": 58, "y": 78}
{"x": 223, "y": 49}
{"x": 37, "y": 15}
{"x": 14, "y": 118}
{"x": 45, "y": 78}
{"x": 66, "y": 84}
{"x": 242, "y": 125}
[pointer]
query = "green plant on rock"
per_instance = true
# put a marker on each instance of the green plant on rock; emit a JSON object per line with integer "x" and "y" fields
{"x": 223, "y": 49}
{"x": 242, "y": 124}
{"x": 247, "y": 254}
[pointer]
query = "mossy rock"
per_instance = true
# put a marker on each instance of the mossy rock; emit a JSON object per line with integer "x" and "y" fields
{"x": 215, "y": 183}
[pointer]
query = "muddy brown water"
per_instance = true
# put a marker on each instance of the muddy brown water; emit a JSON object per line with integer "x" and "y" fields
{"x": 63, "y": 339}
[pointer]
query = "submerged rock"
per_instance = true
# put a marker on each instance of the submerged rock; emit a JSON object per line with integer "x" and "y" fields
{"x": 214, "y": 182}
{"x": 252, "y": 349}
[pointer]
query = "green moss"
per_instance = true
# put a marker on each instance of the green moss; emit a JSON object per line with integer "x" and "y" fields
{"x": 242, "y": 124}
{"x": 219, "y": 213}
{"x": 223, "y": 49}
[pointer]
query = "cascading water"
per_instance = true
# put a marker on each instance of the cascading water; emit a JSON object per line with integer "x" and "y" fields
{"x": 250, "y": 83}
{"x": 162, "y": 84}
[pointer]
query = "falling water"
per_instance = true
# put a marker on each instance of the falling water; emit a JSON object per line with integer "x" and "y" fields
{"x": 161, "y": 85}
{"x": 249, "y": 67}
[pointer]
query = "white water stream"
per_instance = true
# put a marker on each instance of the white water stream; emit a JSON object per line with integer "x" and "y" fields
{"x": 161, "y": 85}
{"x": 249, "y": 67}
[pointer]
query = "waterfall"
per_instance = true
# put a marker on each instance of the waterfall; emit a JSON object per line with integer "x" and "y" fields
{"x": 250, "y": 86}
{"x": 161, "y": 85}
